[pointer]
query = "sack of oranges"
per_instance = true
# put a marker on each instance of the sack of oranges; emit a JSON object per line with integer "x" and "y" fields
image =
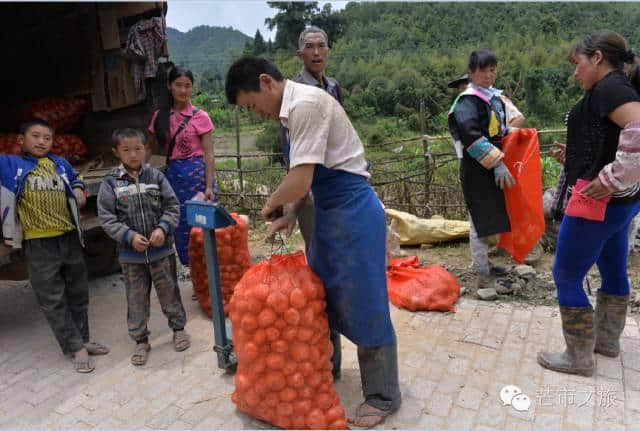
{"x": 232, "y": 245}
{"x": 281, "y": 338}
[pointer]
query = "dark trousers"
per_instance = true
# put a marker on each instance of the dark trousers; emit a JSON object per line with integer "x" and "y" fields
{"x": 58, "y": 275}
{"x": 378, "y": 372}
{"x": 138, "y": 278}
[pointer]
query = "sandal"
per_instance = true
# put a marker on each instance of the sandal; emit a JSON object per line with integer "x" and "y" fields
{"x": 181, "y": 340}
{"x": 83, "y": 366}
{"x": 140, "y": 354}
{"x": 365, "y": 410}
{"x": 96, "y": 349}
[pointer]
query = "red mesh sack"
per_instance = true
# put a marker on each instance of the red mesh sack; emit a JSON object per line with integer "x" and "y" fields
{"x": 9, "y": 144}
{"x": 62, "y": 114}
{"x": 232, "y": 244}
{"x": 428, "y": 288}
{"x": 70, "y": 147}
{"x": 524, "y": 199}
{"x": 281, "y": 338}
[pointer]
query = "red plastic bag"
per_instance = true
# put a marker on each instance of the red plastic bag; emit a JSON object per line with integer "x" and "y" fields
{"x": 524, "y": 199}
{"x": 586, "y": 207}
{"x": 232, "y": 245}
{"x": 428, "y": 288}
{"x": 281, "y": 337}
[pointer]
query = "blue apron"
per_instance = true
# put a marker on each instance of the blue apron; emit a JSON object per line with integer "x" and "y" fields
{"x": 187, "y": 177}
{"x": 348, "y": 254}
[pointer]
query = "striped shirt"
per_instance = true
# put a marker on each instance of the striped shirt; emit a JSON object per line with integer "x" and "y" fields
{"x": 43, "y": 207}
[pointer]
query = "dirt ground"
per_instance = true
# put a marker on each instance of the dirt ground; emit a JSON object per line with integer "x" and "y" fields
{"x": 455, "y": 257}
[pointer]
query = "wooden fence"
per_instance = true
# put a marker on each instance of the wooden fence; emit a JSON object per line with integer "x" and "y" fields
{"x": 418, "y": 175}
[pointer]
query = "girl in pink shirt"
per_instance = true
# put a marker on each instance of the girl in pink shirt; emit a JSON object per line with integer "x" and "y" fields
{"x": 185, "y": 133}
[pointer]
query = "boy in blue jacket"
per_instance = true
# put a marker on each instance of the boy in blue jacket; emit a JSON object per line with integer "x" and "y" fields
{"x": 39, "y": 200}
{"x": 138, "y": 209}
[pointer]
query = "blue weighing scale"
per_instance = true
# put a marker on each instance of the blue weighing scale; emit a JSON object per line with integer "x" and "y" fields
{"x": 209, "y": 217}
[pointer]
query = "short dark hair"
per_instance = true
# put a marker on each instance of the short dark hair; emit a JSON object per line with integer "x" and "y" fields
{"x": 126, "y": 132}
{"x": 243, "y": 75}
{"x": 24, "y": 127}
{"x": 481, "y": 58}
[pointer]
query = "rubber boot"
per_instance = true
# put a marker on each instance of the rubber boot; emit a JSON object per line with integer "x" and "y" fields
{"x": 610, "y": 317}
{"x": 579, "y": 334}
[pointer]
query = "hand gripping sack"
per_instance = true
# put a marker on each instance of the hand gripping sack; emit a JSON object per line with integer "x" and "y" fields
{"x": 281, "y": 338}
{"x": 524, "y": 199}
{"x": 428, "y": 288}
{"x": 232, "y": 245}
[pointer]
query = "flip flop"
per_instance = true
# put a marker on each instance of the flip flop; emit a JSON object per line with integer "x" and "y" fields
{"x": 83, "y": 366}
{"x": 181, "y": 341}
{"x": 96, "y": 349}
{"x": 360, "y": 413}
{"x": 140, "y": 354}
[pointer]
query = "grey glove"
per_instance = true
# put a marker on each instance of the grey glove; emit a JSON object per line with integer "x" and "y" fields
{"x": 503, "y": 176}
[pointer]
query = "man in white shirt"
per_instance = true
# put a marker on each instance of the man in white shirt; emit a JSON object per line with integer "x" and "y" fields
{"x": 348, "y": 245}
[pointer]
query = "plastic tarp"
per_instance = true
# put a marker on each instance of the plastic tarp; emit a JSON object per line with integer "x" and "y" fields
{"x": 414, "y": 230}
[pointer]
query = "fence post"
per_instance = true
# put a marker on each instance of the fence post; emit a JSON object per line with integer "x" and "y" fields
{"x": 239, "y": 158}
{"x": 425, "y": 150}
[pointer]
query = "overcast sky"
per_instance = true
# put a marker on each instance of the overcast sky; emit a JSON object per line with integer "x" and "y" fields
{"x": 244, "y": 15}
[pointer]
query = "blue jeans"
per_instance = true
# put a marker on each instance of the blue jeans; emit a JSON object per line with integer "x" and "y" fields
{"x": 581, "y": 243}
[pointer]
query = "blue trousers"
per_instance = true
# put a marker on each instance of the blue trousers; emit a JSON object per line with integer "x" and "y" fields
{"x": 581, "y": 243}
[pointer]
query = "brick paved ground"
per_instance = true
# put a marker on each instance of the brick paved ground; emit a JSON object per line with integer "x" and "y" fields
{"x": 452, "y": 367}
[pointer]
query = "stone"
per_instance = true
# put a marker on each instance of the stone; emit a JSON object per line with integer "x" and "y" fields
{"x": 488, "y": 294}
{"x": 503, "y": 289}
{"x": 463, "y": 290}
{"x": 525, "y": 271}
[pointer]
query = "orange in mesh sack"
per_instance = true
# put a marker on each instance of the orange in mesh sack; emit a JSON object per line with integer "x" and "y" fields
{"x": 70, "y": 147}
{"x": 428, "y": 288}
{"x": 232, "y": 244}
{"x": 524, "y": 199}
{"x": 281, "y": 338}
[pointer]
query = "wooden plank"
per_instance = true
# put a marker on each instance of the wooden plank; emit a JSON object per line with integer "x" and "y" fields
{"x": 119, "y": 80}
{"x": 134, "y": 8}
{"x": 98, "y": 91}
{"x": 109, "y": 33}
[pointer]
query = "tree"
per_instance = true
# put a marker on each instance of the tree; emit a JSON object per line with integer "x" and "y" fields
{"x": 259, "y": 45}
{"x": 248, "y": 48}
{"x": 291, "y": 19}
{"x": 331, "y": 22}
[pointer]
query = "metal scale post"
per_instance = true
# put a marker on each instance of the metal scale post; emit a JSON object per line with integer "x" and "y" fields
{"x": 209, "y": 217}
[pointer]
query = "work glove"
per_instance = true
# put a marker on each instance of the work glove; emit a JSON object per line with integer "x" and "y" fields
{"x": 503, "y": 176}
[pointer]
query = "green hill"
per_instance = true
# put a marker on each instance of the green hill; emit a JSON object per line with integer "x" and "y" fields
{"x": 390, "y": 55}
{"x": 206, "y": 50}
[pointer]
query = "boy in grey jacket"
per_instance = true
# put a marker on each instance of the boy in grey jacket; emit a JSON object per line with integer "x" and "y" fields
{"x": 138, "y": 208}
